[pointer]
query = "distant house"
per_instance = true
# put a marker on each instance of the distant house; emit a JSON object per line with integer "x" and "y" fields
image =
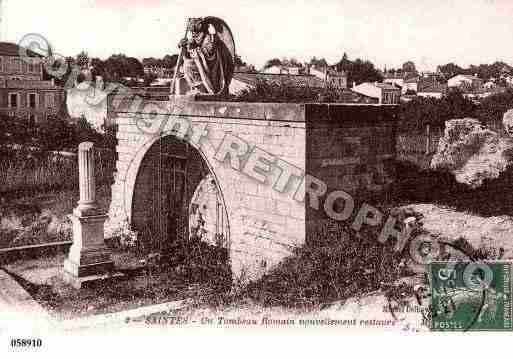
{"x": 161, "y": 81}
{"x": 433, "y": 90}
{"x": 349, "y": 96}
{"x": 465, "y": 81}
{"x": 23, "y": 92}
{"x": 337, "y": 79}
{"x": 394, "y": 79}
{"x": 159, "y": 71}
{"x": 481, "y": 92}
{"x": 245, "y": 80}
{"x": 276, "y": 70}
{"x": 411, "y": 84}
{"x": 383, "y": 92}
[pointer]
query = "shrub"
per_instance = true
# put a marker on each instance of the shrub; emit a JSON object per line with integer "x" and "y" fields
{"x": 493, "y": 107}
{"x": 56, "y": 133}
{"x": 265, "y": 91}
{"x": 419, "y": 112}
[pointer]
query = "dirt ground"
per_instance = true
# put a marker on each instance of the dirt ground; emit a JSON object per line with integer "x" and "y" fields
{"x": 140, "y": 285}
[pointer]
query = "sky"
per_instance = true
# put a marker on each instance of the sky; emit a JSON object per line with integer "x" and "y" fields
{"x": 386, "y": 32}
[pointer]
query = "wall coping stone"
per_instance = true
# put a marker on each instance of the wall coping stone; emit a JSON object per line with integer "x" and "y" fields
{"x": 188, "y": 106}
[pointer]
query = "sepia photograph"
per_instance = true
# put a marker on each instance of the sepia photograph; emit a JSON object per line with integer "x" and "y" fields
{"x": 336, "y": 165}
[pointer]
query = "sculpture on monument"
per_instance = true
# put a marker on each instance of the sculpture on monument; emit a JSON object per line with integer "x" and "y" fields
{"x": 206, "y": 59}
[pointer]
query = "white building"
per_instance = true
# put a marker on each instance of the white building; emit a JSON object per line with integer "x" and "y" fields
{"x": 464, "y": 81}
{"x": 434, "y": 90}
{"x": 384, "y": 93}
{"x": 395, "y": 80}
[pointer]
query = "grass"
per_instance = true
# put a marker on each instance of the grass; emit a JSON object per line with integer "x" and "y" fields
{"x": 38, "y": 191}
{"x": 42, "y": 217}
{"x": 25, "y": 172}
{"x": 140, "y": 286}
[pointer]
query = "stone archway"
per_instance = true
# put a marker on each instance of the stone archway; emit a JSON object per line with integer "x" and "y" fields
{"x": 265, "y": 225}
{"x": 175, "y": 197}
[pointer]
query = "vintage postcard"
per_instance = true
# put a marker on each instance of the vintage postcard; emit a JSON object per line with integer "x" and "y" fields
{"x": 283, "y": 165}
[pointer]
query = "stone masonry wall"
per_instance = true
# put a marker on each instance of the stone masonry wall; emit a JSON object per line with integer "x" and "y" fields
{"x": 350, "y": 148}
{"x": 265, "y": 225}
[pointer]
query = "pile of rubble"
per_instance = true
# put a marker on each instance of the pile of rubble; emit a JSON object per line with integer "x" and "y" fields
{"x": 472, "y": 152}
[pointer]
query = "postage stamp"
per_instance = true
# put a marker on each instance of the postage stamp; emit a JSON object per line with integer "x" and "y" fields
{"x": 470, "y": 296}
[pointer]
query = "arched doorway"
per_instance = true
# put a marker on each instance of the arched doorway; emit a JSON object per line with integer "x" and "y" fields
{"x": 177, "y": 206}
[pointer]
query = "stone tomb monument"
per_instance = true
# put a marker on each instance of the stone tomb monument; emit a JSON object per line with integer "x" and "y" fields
{"x": 260, "y": 161}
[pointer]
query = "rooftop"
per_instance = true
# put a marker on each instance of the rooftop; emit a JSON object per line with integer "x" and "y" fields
{"x": 386, "y": 86}
{"x": 382, "y": 85}
{"x": 470, "y": 77}
{"x": 433, "y": 87}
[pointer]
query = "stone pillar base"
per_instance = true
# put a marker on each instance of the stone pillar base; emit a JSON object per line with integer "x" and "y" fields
{"x": 86, "y": 270}
{"x": 80, "y": 282}
{"x": 89, "y": 259}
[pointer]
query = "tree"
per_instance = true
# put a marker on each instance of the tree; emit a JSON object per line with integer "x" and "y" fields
{"x": 359, "y": 70}
{"x": 82, "y": 60}
{"x": 120, "y": 66}
{"x": 134, "y": 68}
{"x": 363, "y": 71}
{"x": 151, "y": 62}
{"x": 238, "y": 61}
{"x": 170, "y": 61}
{"x": 420, "y": 111}
{"x": 492, "y": 108}
{"x": 97, "y": 69}
{"x": 344, "y": 64}
{"x": 318, "y": 63}
{"x": 55, "y": 134}
{"x": 292, "y": 62}
{"x": 449, "y": 70}
{"x": 409, "y": 66}
{"x": 272, "y": 62}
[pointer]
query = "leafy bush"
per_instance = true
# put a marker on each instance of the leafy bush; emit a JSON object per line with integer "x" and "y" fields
{"x": 420, "y": 111}
{"x": 265, "y": 91}
{"x": 493, "y": 107}
{"x": 345, "y": 265}
{"x": 56, "y": 133}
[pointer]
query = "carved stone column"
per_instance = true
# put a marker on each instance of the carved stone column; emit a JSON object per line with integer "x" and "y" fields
{"x": 87, "y": 202}
{"x": 88, "y": 258}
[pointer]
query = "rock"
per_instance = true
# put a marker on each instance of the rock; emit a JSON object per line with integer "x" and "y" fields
{"x": 471, "y": 152}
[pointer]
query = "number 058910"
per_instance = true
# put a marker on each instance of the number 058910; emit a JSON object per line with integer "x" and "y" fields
{"x": 26, "y": 343}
